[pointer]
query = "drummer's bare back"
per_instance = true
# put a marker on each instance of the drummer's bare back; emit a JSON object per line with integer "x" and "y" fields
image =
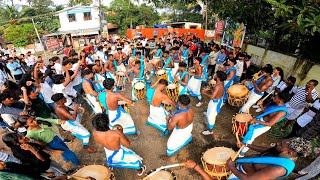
{"x": 108, "y": 139}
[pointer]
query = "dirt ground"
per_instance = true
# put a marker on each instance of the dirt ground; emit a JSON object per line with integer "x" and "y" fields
{"x": 150, "y": 145}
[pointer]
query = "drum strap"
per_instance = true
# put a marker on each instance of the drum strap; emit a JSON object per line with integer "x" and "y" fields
{"x": 286, "y": 163}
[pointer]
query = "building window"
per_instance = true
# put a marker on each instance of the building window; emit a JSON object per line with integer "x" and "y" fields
{"x": 87, "y": 16}
{"x": 72, "y": 17}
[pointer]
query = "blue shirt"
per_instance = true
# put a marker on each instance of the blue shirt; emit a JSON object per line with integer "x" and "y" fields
{"x": 12, "y": 66}
{"x": 221, "y": 57}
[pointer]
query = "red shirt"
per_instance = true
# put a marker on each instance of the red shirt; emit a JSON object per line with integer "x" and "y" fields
{"x": 66, "y": 52}
{"x": 86, "y": 49}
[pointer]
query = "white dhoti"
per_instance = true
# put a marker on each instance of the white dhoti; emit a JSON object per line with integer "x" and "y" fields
{"x": 10, "y": 119}
{"x": 121, "y": 117}
{"x": 178, "y": 139}
{"x": 121, "y": 68}
{"x": 194, "y": 86}
{"x": 293, "y": 113}
{"x": 99, "y": 85}
{"x": 213, "y": 109}
{"x": 253, "y": 98}
{"x": 157, "y": 118}
{"x": 182, "y": 89}
{"x": 134, "y": 81}
{"x": 77, "y": 130}
{"x": 94, "y": 103}
{"x": 254, "y": 131}
{"x": 175, "y": 68}
{"x": 123, "y": 158}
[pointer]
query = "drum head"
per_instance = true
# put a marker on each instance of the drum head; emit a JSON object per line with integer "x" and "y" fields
{"x": 161, "y": 71}
{"x": 161, "y": 175}
{"x": 238, "y": 90}
{"x": 122, "y": 102}
{"x": 218, "y": 155}
{"x": 96, "y": 171}
{"x": 139, "y": 85}
{"x": 172, "y": 86}
{"x": 242, "y": 117}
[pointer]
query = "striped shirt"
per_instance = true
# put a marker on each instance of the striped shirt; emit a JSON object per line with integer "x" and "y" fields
{"x": 299, "y": 99}
{"x": 282, "y": 85}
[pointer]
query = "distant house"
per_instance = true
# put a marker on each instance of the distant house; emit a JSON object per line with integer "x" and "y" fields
{"x": 80, "y": 25}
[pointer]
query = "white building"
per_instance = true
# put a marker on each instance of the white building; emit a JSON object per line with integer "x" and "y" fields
{"x": 80, "y": 25}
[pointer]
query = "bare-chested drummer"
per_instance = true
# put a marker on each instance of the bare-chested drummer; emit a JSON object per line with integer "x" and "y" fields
{"x": 117, "y": 115}
{"x": 138, "y": 75}
{"x": 273, "y": 163}
{"x": 216, "y": 101}
{"x": 158, "y": 115}
{"x": 260, "y": 86}
{"x": 109, "y": 67}
{"x": 182, "y": 124}
{"x": 70, "y": 122}
{"x": 115, "y": 144}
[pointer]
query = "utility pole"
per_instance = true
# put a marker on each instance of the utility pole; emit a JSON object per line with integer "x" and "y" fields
{"x": 100, "y": 16}
{"x": 34, "y": 26}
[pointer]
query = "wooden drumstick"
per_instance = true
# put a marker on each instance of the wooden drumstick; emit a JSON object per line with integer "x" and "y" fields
{"x": 163, "y": 167}
{"x": 155, "y": 83}
{"x": 78, "y": 177}
{"x": 237, "y": 154}
{"x": 237, "y": 137}
{"x": 267, "y": 96}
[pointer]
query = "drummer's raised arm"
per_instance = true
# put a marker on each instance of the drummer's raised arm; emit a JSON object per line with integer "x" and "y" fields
{"x": 123, "y": 98}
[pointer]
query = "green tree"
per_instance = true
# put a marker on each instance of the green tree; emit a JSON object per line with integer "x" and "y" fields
{"x": 123, "y": 13}
{"x": 81, "y": 2}
{"x": 21, "y": 35}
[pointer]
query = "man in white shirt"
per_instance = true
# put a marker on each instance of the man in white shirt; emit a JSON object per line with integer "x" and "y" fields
{"x": 99, "y": 54}
{"x": 213, "y": 56}
{"x": 239, "y": 67}
{"x": 57, "y": 64}
{"x": 31, "y": 59}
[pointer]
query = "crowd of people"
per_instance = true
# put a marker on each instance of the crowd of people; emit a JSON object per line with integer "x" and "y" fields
{"x": 38, "y": 99}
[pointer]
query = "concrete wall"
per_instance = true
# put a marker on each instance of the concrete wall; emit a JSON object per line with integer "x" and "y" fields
{"x": 303, "y": 70}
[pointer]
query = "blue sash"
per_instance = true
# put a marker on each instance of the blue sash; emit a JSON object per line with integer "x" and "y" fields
{"x": 185, "y": 53}
{"x": 105, "y": 58}
{"x": 103, "y": 100}
{"x": 91, "y": 83}
{"x": 183, "y": 75}
{"x": 134, "y": 52}
{"x": 115, "y": 65}
{"x": 219, "y": 101}
{"x": 286, "y": 163}
{"x": 119, "y": 111}
{"x": 204, "y": 59}
{"x": 150, "y": 93}
{"x": 268, "y": 111}
{"x": 176, "y": 55}
{"x": 159, "y": 52}
{"x": 251, "y": 86}
{"x": 141, "y": 67}
{"x": 167, "y": 62}
{"x": 89, "y": 57}
{"x": 181, "y": 111}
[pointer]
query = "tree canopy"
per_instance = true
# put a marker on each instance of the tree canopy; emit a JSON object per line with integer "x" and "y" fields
{"x": 124, "y": 14}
